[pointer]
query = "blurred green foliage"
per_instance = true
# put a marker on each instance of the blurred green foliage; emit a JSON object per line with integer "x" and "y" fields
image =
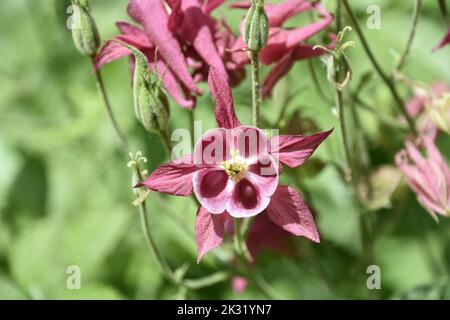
{"x": 65, "y": 195}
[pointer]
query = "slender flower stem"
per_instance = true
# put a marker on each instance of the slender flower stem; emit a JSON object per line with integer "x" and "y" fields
{"x": 256, "y": 87}
{"x": 151, "y": 245}
{"x": 101, "y": 88}
{"x": 365, "y": 229}
{"x": 192, "y": 127}
{"x": 338, "y": 16}
{"x": 386, "y": 79}
{"x": 239, "y": 243}
{"x": 343, "y": 125}
{"x": 412, "y": 32}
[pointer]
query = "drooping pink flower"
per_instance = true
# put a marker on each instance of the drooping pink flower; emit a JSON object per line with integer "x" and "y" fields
{"x": 445, "y": 41}
{"x": 186, "y": 39}
{"x": 234, "y": 173}
{"x": 285, "y": 46}
{"x": 416, "y": 107}
{"x": 428, "y": 176}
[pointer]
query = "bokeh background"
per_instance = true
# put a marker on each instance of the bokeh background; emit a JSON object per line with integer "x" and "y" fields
{"x": 65, "y": 195}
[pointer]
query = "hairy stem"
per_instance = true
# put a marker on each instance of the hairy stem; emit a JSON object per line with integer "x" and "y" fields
{"x": 386, "y": 79}
{"x": 342, "y": 121}
{"x": 256, "y": 87}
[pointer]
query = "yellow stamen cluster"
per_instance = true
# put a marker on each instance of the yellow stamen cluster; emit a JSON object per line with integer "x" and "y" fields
{"x": 236, "y": 166}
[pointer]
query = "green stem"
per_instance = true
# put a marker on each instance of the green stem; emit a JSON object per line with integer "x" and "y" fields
{"x": 350, "y": 175}
{"x": 119, "y": 133}
{"x": 387, "y": 80}
{"x": 412, "y": 32}
{"x": 345, "y": 143}
{"x": 239, "y": 243}
{"x": 256, "y": 87}
{"x": 192, "y": 127}
{"x": 152, "y": 248}
{"x": 338, "y": 16}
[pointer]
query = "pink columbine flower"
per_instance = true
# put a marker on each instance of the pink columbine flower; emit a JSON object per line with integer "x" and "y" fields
{"x": 234, "y": 173}
{"x": 428, "y": 176}
{"x": 445, "y": 41}
{"x": 185, "y": 37}
{"x": 285, "y": 46}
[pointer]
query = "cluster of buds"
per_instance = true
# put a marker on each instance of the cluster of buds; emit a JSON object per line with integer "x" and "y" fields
{"x": 339, "y": 72}
{"x": 84, "y": 31}
{"x": 256, "y": 26}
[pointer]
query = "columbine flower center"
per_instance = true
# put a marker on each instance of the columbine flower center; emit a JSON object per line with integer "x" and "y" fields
{"x": 236, "y": 166}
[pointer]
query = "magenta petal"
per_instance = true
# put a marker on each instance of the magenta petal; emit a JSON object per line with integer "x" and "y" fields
{"x": 300, "y": 52}
{"x": 140, "y": 37}
{"x": 300, "y": 34}
{"x": 209, "y": 231}
{"x": 171, "y": 85}
{"x": 220, "y": 89}
{"x": 173, "y": 178}
{"x": 152, "y": 15}
{"x": 288, "y": 210}
{"x": 295, "y": 150}
{"x": 246, "y": 200}
{"x": 197, "y": 31}
{"x": 250, "y": 141}
{"x": 264, "y": 173}
{"x": 277, "y": 72}
{"x": 279, "y": 13}
{"x": 212, "y": 189}
{"x": 212, "y": 148}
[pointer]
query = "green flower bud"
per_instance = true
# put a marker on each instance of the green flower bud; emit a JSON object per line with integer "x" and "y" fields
{"x": 256, "y": 26}
{"x": 151, "y": 105}
{"x": 84, "y": 31}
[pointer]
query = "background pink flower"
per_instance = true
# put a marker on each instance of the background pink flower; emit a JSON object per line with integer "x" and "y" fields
{"x": 428, "y": 176}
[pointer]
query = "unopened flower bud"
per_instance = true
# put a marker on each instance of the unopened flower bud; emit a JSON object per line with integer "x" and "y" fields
{"x": 151, "y": 105}
{"x": 439, "y": 111}
{"x": 84, "y": 31}
{"x": 256, "y": 26}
